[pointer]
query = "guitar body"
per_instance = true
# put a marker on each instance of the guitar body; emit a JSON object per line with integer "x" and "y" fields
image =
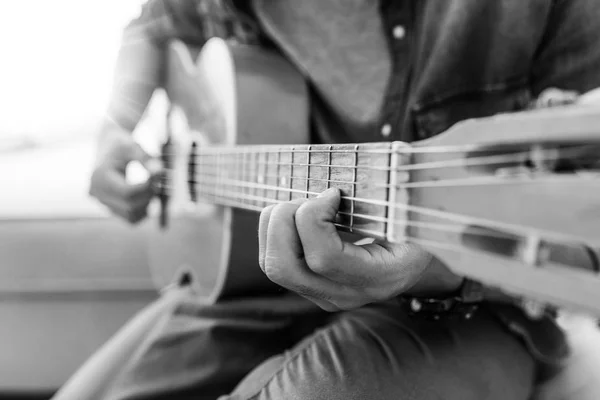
{"x": 220, "y": 98}
{"x": 508, "y": 200}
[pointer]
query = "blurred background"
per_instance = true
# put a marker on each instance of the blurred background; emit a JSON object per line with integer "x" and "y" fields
{"x": 65, "y": 263}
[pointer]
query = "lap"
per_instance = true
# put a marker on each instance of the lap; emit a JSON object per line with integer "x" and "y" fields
{"x": 379, "y": 352}
{"x": 203, "y": 351}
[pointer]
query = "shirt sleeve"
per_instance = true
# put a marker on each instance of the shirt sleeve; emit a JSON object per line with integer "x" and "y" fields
{"x": 141, "y": 59}
{"x": 569, "y": 55}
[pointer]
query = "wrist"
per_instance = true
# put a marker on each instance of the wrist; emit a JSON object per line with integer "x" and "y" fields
{"x": 436, "y": 281}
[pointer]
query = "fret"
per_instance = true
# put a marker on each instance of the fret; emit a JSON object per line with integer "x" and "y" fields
{"x": 262, "y": 173}
{"x": 216, "y": 174}
{"x": 210, "y": 159}
{"x": 255, "y": 167}
{"x": 251, "y": 175}
{"x": 353, "y": 187}
{"x": 237, "y": 171}
{"x": 229, "y": 171}
{"x": 220, "y": 174}
{"x": 307, "y": 170}
{"x": 329, "y": 166}
{"x": 299, "y": 170}
{"x": 252, "y": 178}
{"x": 246, "y": 190}
{"x": 267, "y": 156}
{"x": 224, "y": 175}
{"x": 285, "y": 173}
{"x": 277, "y": 173}
{"x": 291, "y": 177}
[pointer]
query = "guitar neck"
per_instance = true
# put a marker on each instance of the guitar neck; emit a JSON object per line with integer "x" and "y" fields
{"x": 254, "y": 177}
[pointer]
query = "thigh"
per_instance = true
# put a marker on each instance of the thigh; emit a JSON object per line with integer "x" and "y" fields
{"x": 379, "y": 352}
{"x": 203, "y": 350}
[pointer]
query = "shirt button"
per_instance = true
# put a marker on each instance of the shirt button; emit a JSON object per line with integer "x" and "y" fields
{"x": 399, "y": 32}
{"x": 386, "y": 130}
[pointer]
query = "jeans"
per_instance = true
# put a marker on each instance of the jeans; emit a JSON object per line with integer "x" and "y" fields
{"x": 287, "y": 348}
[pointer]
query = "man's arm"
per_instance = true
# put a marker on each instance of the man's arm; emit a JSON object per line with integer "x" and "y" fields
{"x": 139, "y": 71}
{"x": 141, "y": 61}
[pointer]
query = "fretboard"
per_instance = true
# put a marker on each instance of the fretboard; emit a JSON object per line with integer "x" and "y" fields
{"x": 254, "y": 177}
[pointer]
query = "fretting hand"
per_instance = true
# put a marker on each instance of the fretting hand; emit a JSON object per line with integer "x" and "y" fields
{"x": 301, "y": 250}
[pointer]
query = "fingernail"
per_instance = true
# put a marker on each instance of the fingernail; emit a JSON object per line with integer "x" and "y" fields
{"x": 328, "y": 192}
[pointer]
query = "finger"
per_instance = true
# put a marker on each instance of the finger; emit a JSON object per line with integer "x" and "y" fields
{"x": 263, "y": 224}
{"x": 284, "y": 263}
{"x": 328, "y": 255}
{"x": 152, "y": 164}
{"x": 115, "y": 185}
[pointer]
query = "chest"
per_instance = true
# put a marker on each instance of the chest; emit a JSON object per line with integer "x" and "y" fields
{"x": 339, "y": 45}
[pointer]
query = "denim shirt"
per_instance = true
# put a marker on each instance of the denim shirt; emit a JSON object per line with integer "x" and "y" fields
{"x": 450, "y": 60}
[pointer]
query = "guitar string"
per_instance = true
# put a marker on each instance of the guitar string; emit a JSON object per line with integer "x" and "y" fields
{"x": 365, "y": 217}
{"x": 462, "y": 249}
{"x": 458, "y": 182}
{"x": 467, "y": 181}
{"x": 473, "y": 147}
{"x": 267, "y": 187}
{"x": 443, "y": 245}
{"x": 549, "y": 155}
{"x": 239, "y": 202}
{"x": 478, "y": 231}
{"x": 434, "y": 244}
{"x": 275, "y": 148}
{"x": 461, "y": 218}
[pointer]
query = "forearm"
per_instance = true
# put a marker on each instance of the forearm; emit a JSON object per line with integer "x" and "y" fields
{"x": 138, "y": 72}
{"x": 141, "y": 62}
{"x": 437, "y": 280}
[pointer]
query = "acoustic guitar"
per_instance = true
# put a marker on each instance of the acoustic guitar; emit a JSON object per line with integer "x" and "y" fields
{"x": 503, "y": 199}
